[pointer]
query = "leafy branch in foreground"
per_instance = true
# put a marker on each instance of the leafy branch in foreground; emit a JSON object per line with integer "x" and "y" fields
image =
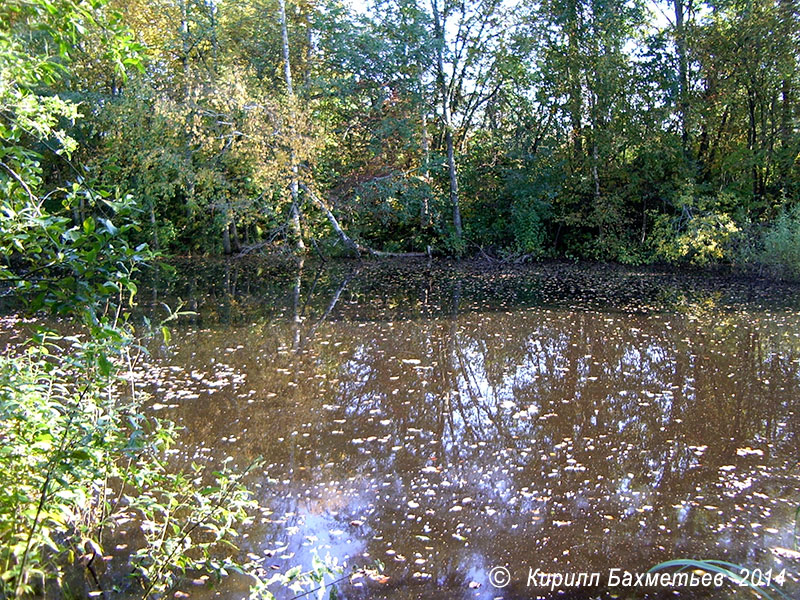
{"x": 62, "y": 445}
{"x": 189, "y": 525}
{"x": 304, "y": 583}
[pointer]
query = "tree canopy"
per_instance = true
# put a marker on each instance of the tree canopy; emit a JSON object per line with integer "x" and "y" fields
{"x": 630, "y": 132}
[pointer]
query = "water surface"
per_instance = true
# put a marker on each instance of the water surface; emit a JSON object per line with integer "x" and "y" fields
{"x": 445, "y": 420}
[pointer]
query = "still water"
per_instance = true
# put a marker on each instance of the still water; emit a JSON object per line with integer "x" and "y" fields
{"x": 446, "y": 420}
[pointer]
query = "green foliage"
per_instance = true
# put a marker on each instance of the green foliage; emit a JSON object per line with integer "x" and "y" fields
{"x": 189, "y": 521}
{"x": 530, "y": 228}
{"x": 781, "y": 250}
{"x": 573, "y": 132}
{"x": 303, "y": 583}
{"x": 67, "y": 268}
{"x": 773, "y": 248}
{"x": 79, "y": 457}
{"x": 702, "y": 233}
{"x": 506, "y": 208}
{"x": 390, "y": 212}
{"x": 700, "y": 240}
{"x": 77, "y": 453}
{"x": 63, "y": 442}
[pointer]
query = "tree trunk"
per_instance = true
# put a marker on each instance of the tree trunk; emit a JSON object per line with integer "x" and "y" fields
{"x": 287, "y": 65}
{"x": 298, "y": 319}
{"x": 236, "y": 245}
{"x": 226, "y": 240}
{"x": 294, "y": 219}
{"x": 595, "y": 174}
{"x": 593, "y": 77}
{"x": 309, "y": 52}
{"x": 348, "y": 242}
{"x": 598, "y": 211}
{"x": 785, "y": 132}
{"x": 788, "y": 19}
{"x": 187, "y": 98}
{"x": 154, "y": 226}
{"x": 439, "y": 31}
{"x": 683, "y": 72}
{"x": 212, "y": 14}
{"x": 425, "y": 217}
{"x": 752, "y": 140}
{"x": 575, "y": 93}
{"x": 453, "y": 174}
{"x": 185, "y": 46}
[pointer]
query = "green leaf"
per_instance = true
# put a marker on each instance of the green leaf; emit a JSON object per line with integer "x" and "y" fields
{"x": 81, "y": 454}
{"x": 293, "y": 573}
{"x": 110, "y": 227}
{"x": 104, "y": 365}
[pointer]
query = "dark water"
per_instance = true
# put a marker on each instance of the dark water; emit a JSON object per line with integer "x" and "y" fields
{"x": 446, "y": 421}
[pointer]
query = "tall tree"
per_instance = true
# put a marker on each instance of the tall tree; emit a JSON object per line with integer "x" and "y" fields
{"x": 683, "y": 9}
{"x": 293, "y": 184}
{"x": 445, "y": 91}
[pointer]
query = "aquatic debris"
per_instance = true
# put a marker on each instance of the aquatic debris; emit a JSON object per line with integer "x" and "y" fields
{"x": 785, "y": 553}
{"x": 749, "y": 451}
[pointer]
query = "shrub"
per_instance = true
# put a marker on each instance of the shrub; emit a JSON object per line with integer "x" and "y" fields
{"x": 529, "y": 227}
{"x": 703, "y": 233}
{"x": 781, "y": 244}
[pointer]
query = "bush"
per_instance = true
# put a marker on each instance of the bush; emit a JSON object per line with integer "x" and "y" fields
{"x": 782, "y": 244}
{"x": 773, "y": 248}
{"x": 529, "y": 227}
{"x": 704, "y": 232}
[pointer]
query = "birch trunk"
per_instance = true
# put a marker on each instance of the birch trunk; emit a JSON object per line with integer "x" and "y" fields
{"x": 439, "y": 27}
{"x": 425, "y": 217}
{"x": 187, "y": 96}
{"x": 348, "y": 242}
{"x": 294, "y": 219}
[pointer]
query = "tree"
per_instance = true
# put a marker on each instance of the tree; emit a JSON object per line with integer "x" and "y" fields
{"x": 287, "y": 69}
{"x": 467, "y": 73}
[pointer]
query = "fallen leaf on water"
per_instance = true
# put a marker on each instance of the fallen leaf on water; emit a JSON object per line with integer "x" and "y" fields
{"x": 786, "y": 553}
{"x": 378, "y": 577}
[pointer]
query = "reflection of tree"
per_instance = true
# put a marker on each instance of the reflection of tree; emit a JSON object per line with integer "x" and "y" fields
{"x": 537, "y": 415}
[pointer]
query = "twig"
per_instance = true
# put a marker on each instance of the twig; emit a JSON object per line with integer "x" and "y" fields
{"x": 34, "y": 199}
{"x": 190, "y": 527}
{"x": 334, "y": 582}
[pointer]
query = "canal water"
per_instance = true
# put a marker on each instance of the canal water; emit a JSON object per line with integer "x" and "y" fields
{"x": 464, "y": 427}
